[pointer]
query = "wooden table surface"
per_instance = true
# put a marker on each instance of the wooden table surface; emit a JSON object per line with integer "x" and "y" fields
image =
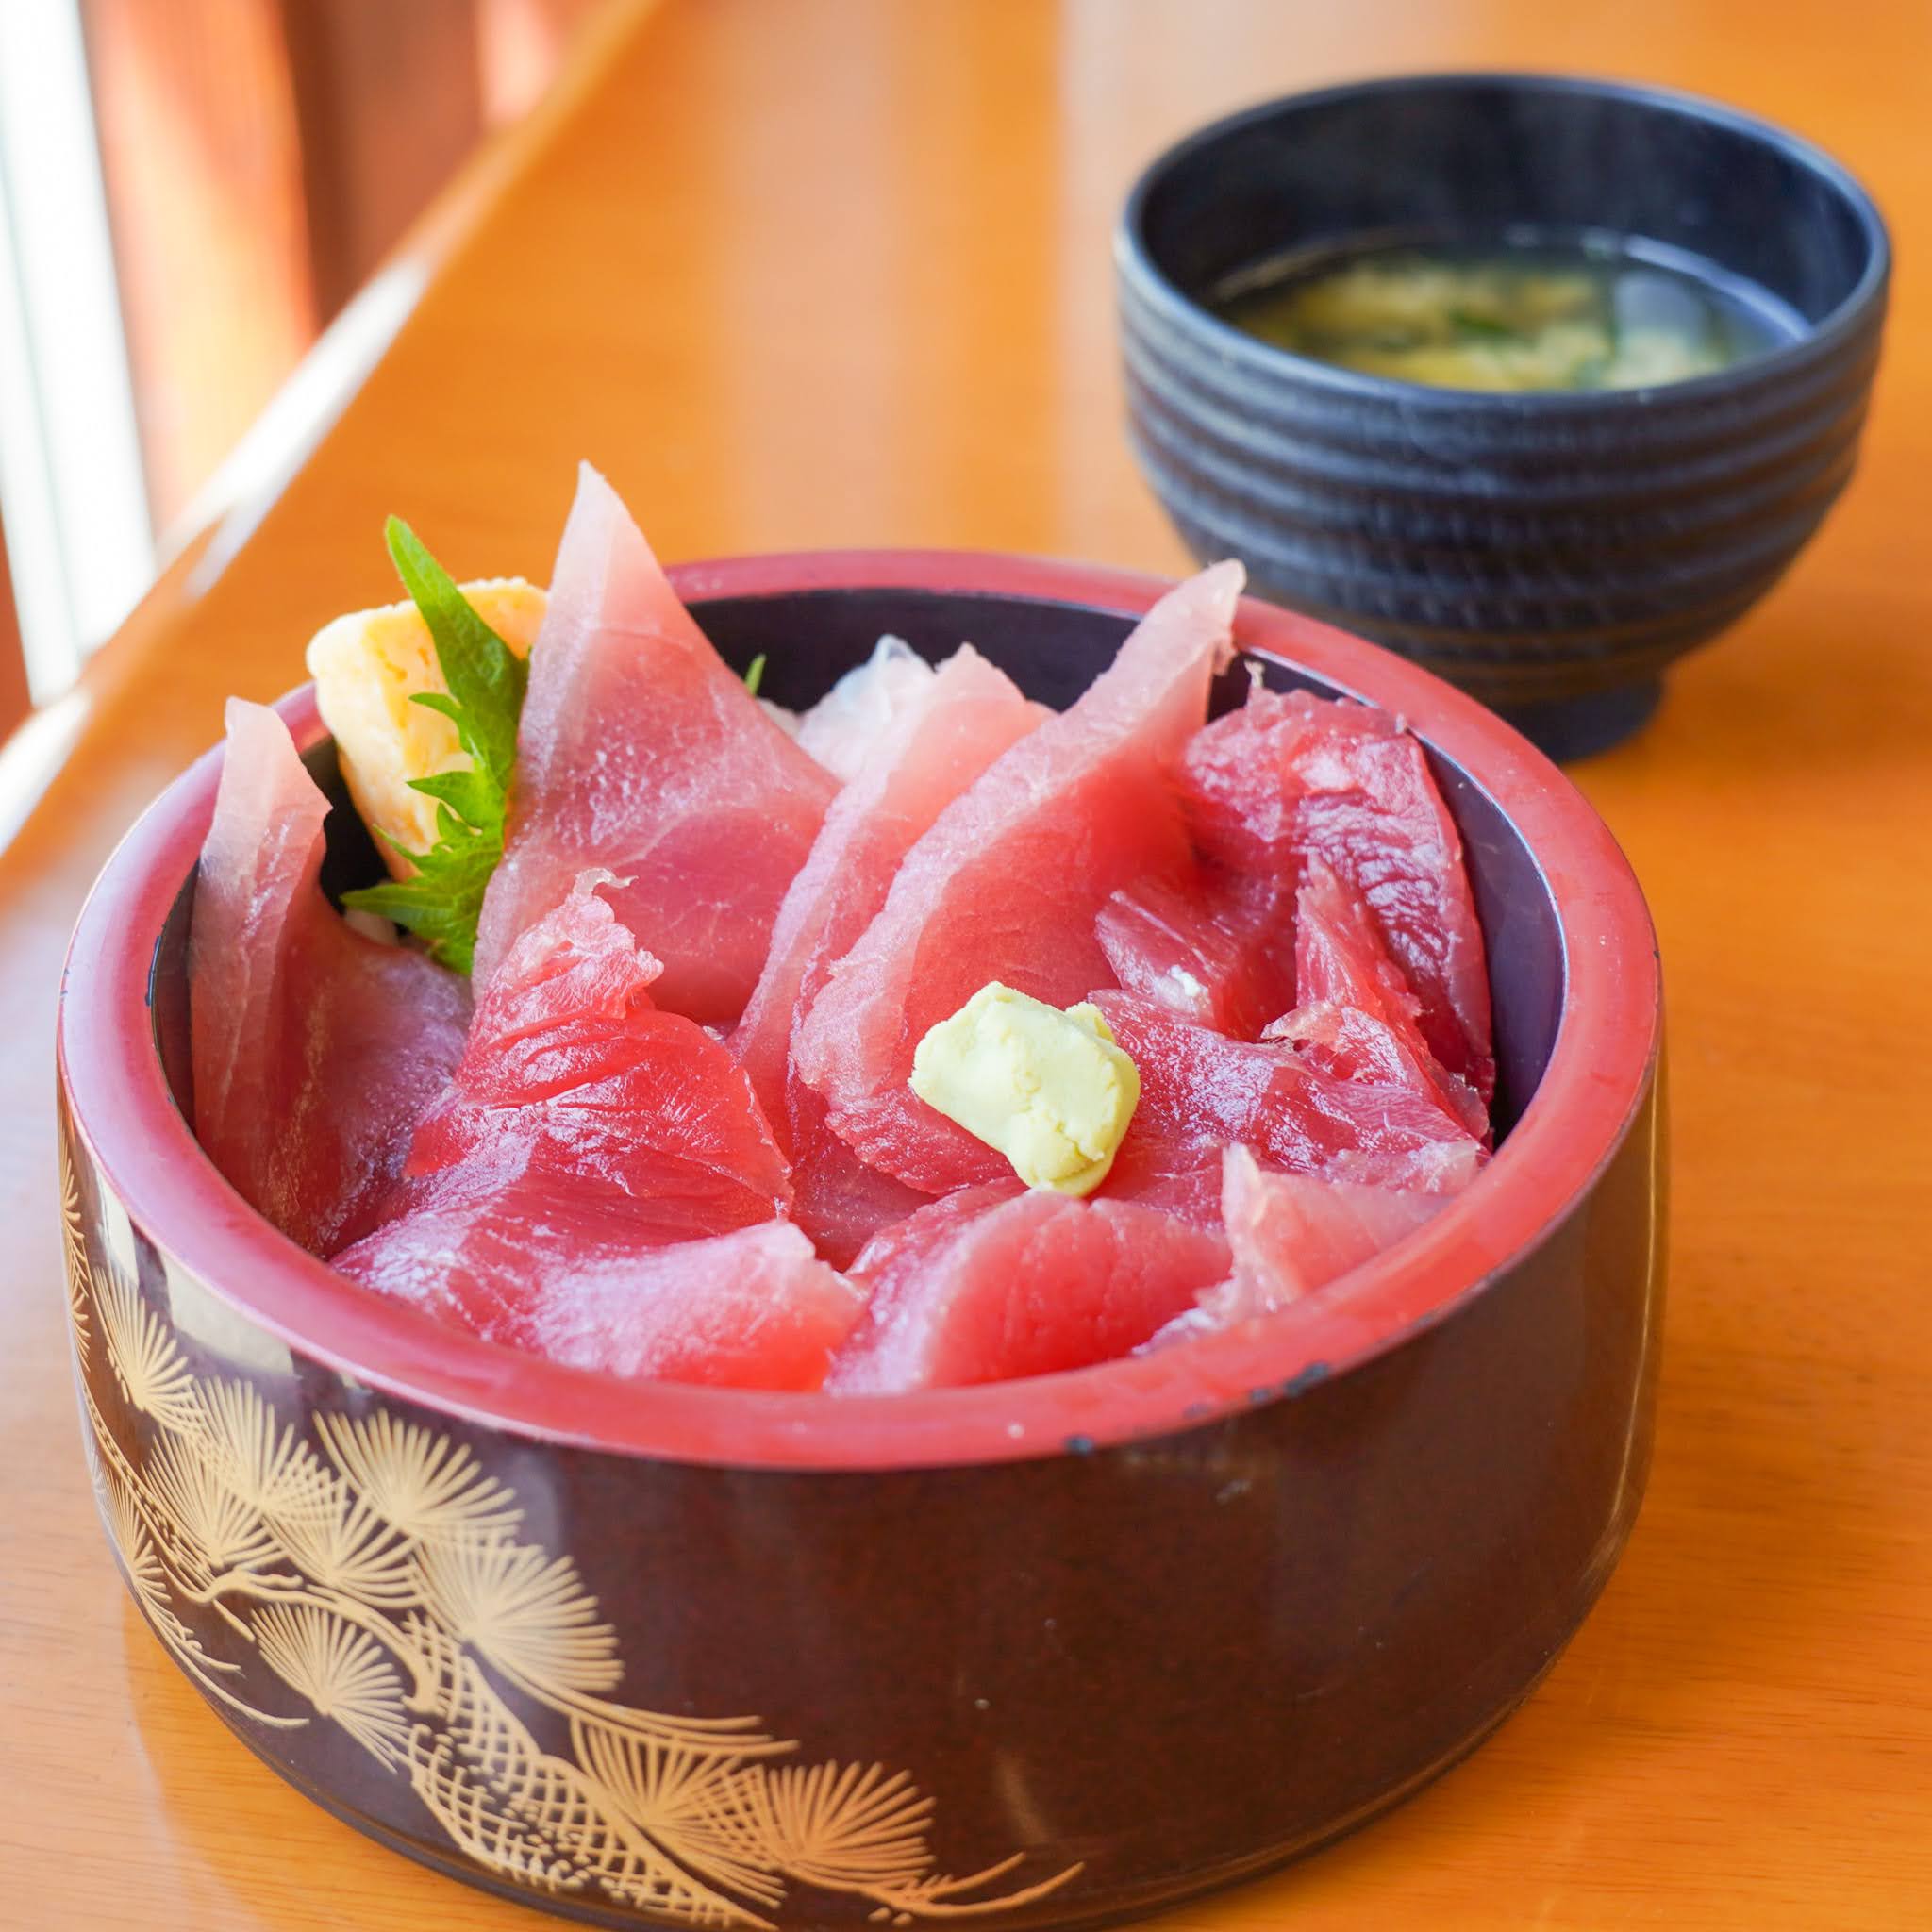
{"x": 800, "y": 274}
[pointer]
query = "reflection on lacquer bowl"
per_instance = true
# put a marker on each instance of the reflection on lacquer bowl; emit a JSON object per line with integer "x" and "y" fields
{"x": 1053, "y": 1651}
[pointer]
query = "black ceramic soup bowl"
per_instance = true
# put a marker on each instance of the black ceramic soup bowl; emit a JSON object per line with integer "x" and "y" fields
{"x": 1551, "y": 553}
{"x": 1052, "y": 1652}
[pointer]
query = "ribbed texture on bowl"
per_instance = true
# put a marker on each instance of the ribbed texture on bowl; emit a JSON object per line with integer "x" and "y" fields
{"x": 1532, "y": 549}
{"x": 1526, "y": 555}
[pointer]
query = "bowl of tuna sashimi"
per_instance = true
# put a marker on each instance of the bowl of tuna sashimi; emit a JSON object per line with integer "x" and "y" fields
{"x": 862, "y": 1238}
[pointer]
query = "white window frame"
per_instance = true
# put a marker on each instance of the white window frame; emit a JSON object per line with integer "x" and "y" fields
{"x": 72, "y": 495}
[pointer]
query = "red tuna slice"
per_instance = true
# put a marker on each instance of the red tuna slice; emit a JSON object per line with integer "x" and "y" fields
{"x": 1358, "y": 1016}
{"x": 1200, "y": 1090}
{"x": 750, "y": 1309}
{"x": 573, "y": 1076}
{"x": 1007, "y": 882}
{"x": 1289, "y": 776}
{"x": 642, "y": 751}
{"x": 993, "y": 1283}
{"x": 315, "y": 1049}
{"x": 1292, "y": 1233}
{"x": 1216, "y": 950}
{"x": 954, "y": 726}
{"x": 1177, "y": 1172}
{"x": 837, "y": 1200}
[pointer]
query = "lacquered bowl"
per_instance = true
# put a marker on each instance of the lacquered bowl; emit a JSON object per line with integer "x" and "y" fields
{"x": 1549, "y": 552}
{"x": 1056, "y": 1651}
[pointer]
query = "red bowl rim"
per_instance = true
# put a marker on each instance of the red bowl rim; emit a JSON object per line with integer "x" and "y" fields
{"x": 1599, "y": 1071}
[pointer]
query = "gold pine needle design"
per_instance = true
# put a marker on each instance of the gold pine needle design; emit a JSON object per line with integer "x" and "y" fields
{"x": 343, "y": 1545}
{"x": 846, "y": 1829}
{"x": 422, "y": 1484}
{"x": 259, "y": 1457}
{"x": 375, "y": 1579}
{"x": 73, "y": 1242}
{"x": 212, "y": 1530}
{"x": 341, "y": 1669}
{"x": 694, "y": 1802}
{"x": 147, "y": 1365}
{"x": 526, "y": 1612}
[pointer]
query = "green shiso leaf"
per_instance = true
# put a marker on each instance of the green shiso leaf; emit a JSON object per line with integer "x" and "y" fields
{"x": 442, "y": 903}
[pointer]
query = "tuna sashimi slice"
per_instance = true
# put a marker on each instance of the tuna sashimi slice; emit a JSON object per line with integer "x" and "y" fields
{"x": 750, "y": 1309}
{"x": 1178, "y": 1171}
{"x": 954, "y": 726}
{"x": 1215, "y": 949}
{"x": 641, "y": 751}
{"x": 958, "y": 720}
{"x": 837, "y": 1200}
{"x": 1200, "y": 1090}
{"x": 1290, "y": 775}
{"x": 1289, "y": 1234}
{"x": 994, "y": 1282}
{"x": 571, "y": 1074}
{"x": 1358, "y": 1016}
{"x": 577, "y": 1190}
{"x": 754, "y": 1310}
{"x": 962, "y": 717}
{"x": 315, "y": 1049}
{"x": 1292, "y": 1233}
{"x": 1007, "y": 883}
{"x": 842, "y": 729}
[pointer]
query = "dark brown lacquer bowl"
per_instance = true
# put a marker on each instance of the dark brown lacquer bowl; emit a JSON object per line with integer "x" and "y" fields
{"x": 1049, "y": 1654}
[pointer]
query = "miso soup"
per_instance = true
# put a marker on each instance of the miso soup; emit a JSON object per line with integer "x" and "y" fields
{"x": 1581, "y": 316}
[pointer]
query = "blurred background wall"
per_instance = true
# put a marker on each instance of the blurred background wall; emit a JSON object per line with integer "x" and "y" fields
{"x": 190, "y": 191}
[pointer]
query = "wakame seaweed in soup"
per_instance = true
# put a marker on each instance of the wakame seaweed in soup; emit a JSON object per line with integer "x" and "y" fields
{"x": 1509, "y": 317}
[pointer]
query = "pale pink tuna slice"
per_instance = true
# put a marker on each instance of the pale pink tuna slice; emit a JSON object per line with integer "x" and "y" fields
{"x": 1357, "y": 1017}
{"x": 750, "y": 1309}
{"x": 1007, "y": 882}
{"x": 961, "y": 718}
{"x": 993, "y": 1283}
{"x": 754, "y": 1310}
{"x": 1176, "y": 1172}
{"x": 1290, "y": 775}
{"x": 1201, "y": 1091}
{"x": 842, "y": 729}
{"x": 641, "y": 751}
{"x": 1289, "y": 1234}
{"x": 314, "y": 1048}
{"x": 571, "y": 1074}
{"x": 1213, "y": 948}
{"x": 1292, "y": 1233}
{"x": 958, "y": 720}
